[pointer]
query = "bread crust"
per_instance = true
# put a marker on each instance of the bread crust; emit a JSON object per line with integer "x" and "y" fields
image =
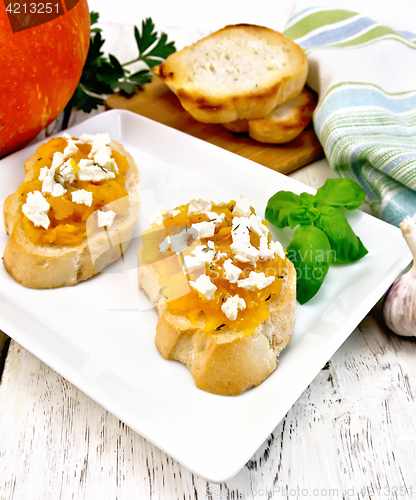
{"x": 51, "y": 266}
{"x": 227, "y": 362}
{"x": 225, "y": 99}
{"x": 283, "y": 124}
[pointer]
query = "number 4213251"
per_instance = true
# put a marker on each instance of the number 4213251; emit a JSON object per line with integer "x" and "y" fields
{"x": 32, "y": 8}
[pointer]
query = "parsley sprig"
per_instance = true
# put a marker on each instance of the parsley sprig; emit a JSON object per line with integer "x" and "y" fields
{"x": 103, "y": 75}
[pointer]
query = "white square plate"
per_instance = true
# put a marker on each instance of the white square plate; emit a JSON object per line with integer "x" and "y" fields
{"x": 100, "y": 334}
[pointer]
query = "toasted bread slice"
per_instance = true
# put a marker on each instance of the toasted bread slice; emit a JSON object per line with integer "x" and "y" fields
{"x": 226, "y": 361}
{"x": 283, "y": 124}
{"x": 50, "y": 266}
{"x": 239, "y": 72}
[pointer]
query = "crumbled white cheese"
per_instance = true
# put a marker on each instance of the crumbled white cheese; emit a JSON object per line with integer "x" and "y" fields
{"x": 277, "y": 248}
{"x": 205, "y": 229}
{"x": 219, "y": 203}
{"x": 67, "y": 171}
{"x": 103, "y": 158}
{"x": 161, "y": 214}
{"x": 232, "y": 272}
{"x": 256, "y": 225}
{"x": 241, "y": 246}
{"x": 58, "y": 190}
{"x": 89, "y": 171}
{"x": 100, "y": 153}
{"x": 36, "y": 209}
{"x": 199, "y": 206}
{"x": 221, "y": 255}
{"x": 164, "y": 246}
{"x": 71, "y": 147}
{"x": 256, "y": 281}
{"x": 177, "y": 242}
{"x": 82, "y": 196}
{"x": 49, "y": 185}
{"x": 200, "y": 255}
{"x": 204, "y": 286}
{"x": 191, "y": 264}
{"x": 105, "y": 218}
{"x": 218, "y": 219}
{"x": 266, "y": 253}
{"x": 242, "y": 207}
{"x": 97, "y": 141}
{"x": 57, "y": 160}
{"x": 231, "y": 307}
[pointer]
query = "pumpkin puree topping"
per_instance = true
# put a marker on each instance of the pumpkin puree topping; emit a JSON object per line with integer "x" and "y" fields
{"x": 175, "y": 279}
{"x": 67, "y": 218}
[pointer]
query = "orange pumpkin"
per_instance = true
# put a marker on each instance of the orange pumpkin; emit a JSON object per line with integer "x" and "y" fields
{"x": 41, "y": 60}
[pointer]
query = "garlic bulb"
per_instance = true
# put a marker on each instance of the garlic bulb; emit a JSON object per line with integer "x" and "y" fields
{"x": 399, "y": 308}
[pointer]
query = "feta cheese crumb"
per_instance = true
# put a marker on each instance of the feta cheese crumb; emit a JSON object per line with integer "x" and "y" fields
{"x": 241, "y": 246}
{"x": 105, "y": 218}
{"x": 67, "y": 172}
{"x": 89, "y": 171}
{"x": 277, "y": 248}
{"x": 49, "y": 185}
{"x": 199, "y": 206}
{"x": 36, "y": 209}
{"x": 256, "y": 225}
{"x": 231, "y": 307}
{"x": 221, "y": 255}
{"x": 161, "y": 214}
{"x": 242, "y": 207}
{"x": 200, "y": 255}
{"x": 218, "y": 219}
{"x": 82, "y": 196}
{"x": 97, "y": 141}
{"x": 256, "y": 281}
{"x": 71, "y": 148}
{"x": 177, "y": 242}
{"x": 219, "y": 203}
{"x": 232, "y": 272}
{"x": 58, "y": 190}
{"x": 205, "y": 229}
{"x": 164, "y": 246}
{"x": 103, "y": 158}
{"x": 57, "y": 160}
{"x": 266, "y": 253}
{"x": 204, "y": 286}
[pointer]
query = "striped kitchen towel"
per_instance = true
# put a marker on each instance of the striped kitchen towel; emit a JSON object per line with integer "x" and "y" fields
{"x": 365, "y": 75}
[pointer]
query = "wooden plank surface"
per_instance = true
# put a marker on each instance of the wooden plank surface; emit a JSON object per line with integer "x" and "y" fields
{"x": 157, "y": 102}
{"x": 350, "y": 435}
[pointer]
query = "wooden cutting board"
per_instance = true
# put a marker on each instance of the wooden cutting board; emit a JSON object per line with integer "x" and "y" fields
{"x": 158, "y": 103}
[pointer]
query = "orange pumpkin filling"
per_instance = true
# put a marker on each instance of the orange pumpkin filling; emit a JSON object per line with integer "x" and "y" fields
{"x": 67, "y": 218}
{"x": 184, "y": 299}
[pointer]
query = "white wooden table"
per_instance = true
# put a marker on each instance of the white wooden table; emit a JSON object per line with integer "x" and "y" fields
{"x": 352, "y": 433}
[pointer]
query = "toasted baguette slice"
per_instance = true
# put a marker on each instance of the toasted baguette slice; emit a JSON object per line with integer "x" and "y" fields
{"x": 226, "y": 362}
{"x": 283, "y": 124}
{"x": 51, "y": 266}
{"x": 239, "y": 72}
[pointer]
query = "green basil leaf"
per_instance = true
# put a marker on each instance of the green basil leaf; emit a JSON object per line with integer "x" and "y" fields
{"x": 340, "y": 193}
{"x": 281, "y": 205}
{"x": 346, "y": 245}
{"x": 311, "y": 254}
{"x": 302, "y": 216}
